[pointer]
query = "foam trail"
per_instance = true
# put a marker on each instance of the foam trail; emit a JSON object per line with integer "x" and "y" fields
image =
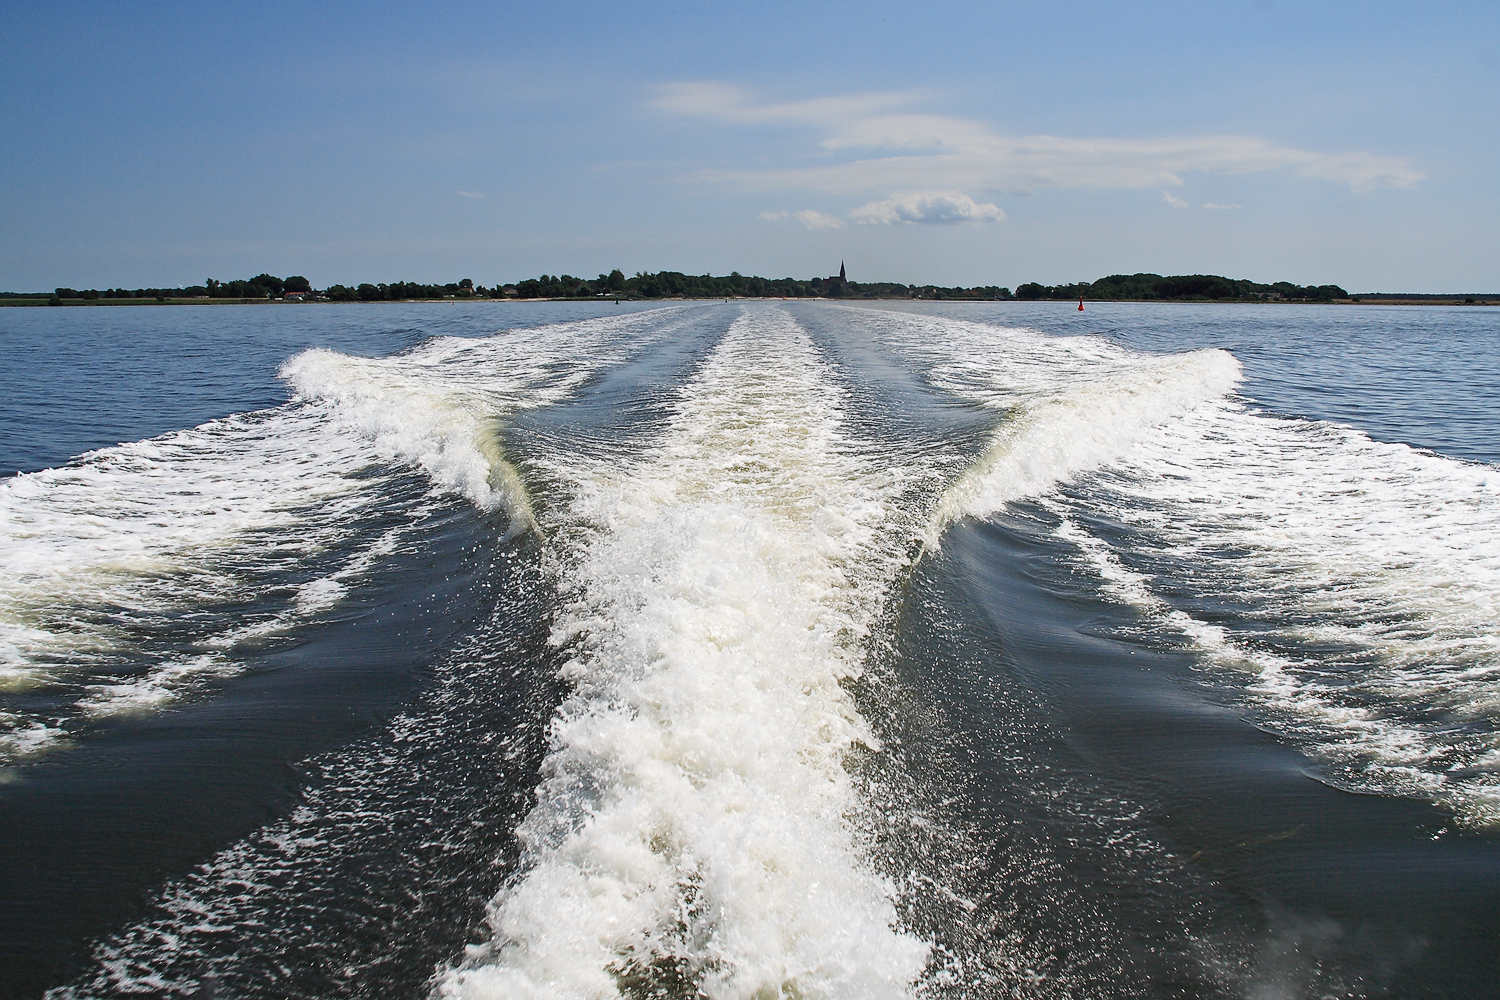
{"x": 1053, "y": 439}
{"x": 441, "y": 407}
{"x": 1070, "y": 405}
{"x": 694, "y": 823}
{"x": 100, "y": 557}
{"x": 1382, "y": 559}
{"x": 98, "y": 551}
{"x": 1365, "y": 574}
{"x": 166, "y": 681}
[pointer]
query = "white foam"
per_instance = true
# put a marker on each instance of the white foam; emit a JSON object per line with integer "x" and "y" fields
{"x": 211, "y": 515}
{"x": 21, "y": 738}
{"x": 1383, "y": 560}
{"x": 170, "y": 679}
{"x": 1071, "y": 405}
{"x": 164, "y": 683}
{"x": 131, "y": 534}
{"x": 1096, "y": 421}
{"x": 442, "y": 406}
{"x": 695, "y": 814}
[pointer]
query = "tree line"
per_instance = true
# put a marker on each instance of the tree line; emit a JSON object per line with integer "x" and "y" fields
{"x": 643, "y": 285}
{"x": 1142, "y": 287}
{"x": 262, "y": 286}
{"x": 675, "y": 284}
{"x": 1181, "y": 288}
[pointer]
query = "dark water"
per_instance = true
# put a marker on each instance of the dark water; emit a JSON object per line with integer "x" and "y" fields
{"x": 981, "y": 650}
{"x": 90, "y": 378}
{"x": 1427, "y": 377}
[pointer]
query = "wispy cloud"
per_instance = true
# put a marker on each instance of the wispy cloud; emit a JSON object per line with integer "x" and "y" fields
{"x": 1173, "y": 200}
{"x": 819, "y": 220}
{"x": 721, "y": 100}
{"x": 1222, "y": 208}
{"x": 469, "y": 194}
{"x": 929, "y": 208}
{"x": 886, "y": 146}
{"x": 773, "y": 216}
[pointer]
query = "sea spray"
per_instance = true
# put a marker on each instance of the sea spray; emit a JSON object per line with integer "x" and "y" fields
{"x": 1380, "y": 557}
{"x": 1369, "y": 572}
{"x": 103, "y": 557}
{"x": 694, "y": 822}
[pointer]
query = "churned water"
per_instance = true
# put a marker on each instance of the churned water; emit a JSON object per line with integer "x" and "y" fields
{"x": 764, "y": 649}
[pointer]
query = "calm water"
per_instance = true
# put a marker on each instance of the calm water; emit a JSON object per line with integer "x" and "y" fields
{"x": 764, "y": 649}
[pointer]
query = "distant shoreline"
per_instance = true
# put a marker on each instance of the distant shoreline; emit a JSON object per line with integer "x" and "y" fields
{"x": 1388, "y": 299}
{"x": 675, "y": 285}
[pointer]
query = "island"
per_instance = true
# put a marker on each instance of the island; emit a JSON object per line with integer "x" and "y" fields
{"x": 1140, "y": 287}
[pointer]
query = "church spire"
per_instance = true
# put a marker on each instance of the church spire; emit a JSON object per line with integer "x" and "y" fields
{"x": 842, "y": 279}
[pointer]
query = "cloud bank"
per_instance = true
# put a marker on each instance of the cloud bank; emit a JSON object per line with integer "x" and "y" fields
{"x": 878, "y": 144}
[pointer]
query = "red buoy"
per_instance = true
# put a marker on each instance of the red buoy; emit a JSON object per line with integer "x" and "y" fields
{"x": 1080, "y": 303}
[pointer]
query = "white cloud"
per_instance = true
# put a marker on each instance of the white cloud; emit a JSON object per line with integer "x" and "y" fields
{"x": 469, "y": 194}
{"x": 1209, "y": 204}
{"x": 907, "y": 150}
{"x": 1173, "y": 200}
{"x": 773, "y": 216}
{"x": 819, "y": 220}
{"x": 934, "y": 207}
{"x": 720, "y": 100}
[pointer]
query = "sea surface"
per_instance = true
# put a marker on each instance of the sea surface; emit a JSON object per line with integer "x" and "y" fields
{"x": 750, "y": 650}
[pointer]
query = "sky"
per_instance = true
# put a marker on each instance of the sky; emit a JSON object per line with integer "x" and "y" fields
{"x": 966, "y": 143}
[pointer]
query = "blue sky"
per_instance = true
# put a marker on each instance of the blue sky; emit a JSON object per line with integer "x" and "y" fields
{"x": 958, "y": 143}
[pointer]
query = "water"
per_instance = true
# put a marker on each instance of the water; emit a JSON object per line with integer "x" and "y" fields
{"x": 762, "y": 649}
